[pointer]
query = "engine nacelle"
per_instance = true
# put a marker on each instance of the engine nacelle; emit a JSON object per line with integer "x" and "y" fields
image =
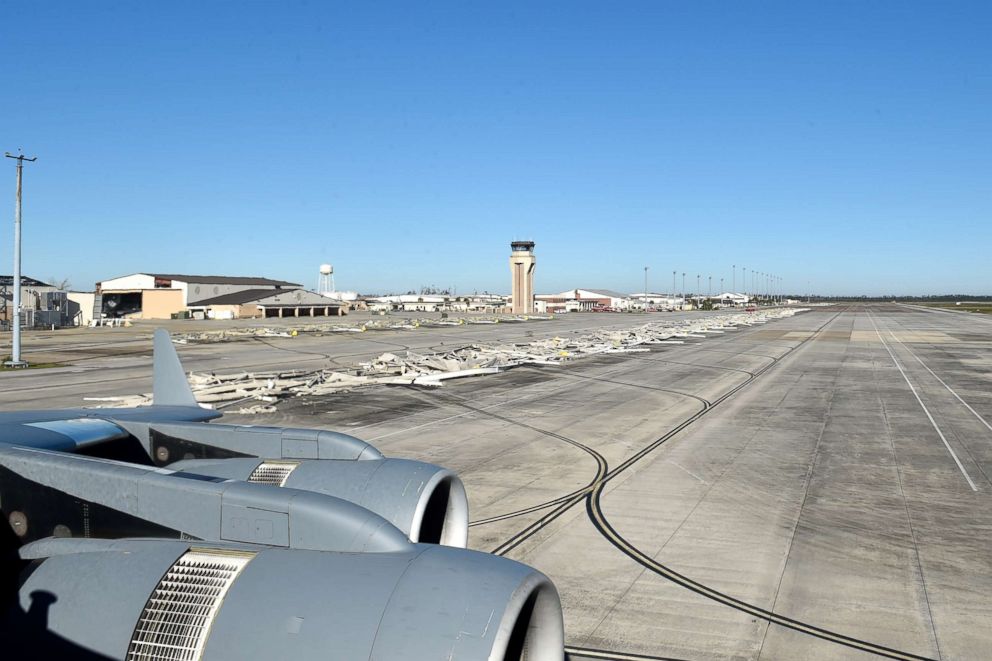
{"x": 425, "y": 501}
{"x": 159, "y": 600}
{"x": 46, "y": 493}
{"x": 167, "y": 442}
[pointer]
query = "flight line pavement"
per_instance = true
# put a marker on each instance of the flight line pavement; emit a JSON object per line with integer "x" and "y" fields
{"x": 819, "y": 491}
{"x": 843, "y": 481}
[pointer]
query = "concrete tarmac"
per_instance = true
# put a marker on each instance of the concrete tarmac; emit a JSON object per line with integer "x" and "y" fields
{"x": 813, "y": 488}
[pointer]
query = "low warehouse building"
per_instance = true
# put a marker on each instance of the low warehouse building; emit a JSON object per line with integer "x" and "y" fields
{"x": 266, "y": 303}
{"x": 584, "y": 300}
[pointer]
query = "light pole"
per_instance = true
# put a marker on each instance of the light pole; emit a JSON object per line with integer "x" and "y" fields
{"x": 744, "y": 280}
{"x": 734, "y": 267}
{"x": 709, "y": 292}
{"x": 645, "y": 288}
{"x": 15, "y": 354}
{"x": 674, "y": 287}
{"x": 683, "y": 291}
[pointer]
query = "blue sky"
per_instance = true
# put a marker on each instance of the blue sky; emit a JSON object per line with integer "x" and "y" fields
{"x": 845, "y": 144}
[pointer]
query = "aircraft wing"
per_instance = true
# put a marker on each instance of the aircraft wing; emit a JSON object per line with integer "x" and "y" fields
{"x": 153, "y": 534}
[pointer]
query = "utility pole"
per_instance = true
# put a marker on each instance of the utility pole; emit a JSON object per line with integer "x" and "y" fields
{"x": 744, "y": 280}
{"x": 15, "y": 354}
{"x": 683, "y": 290}
{"x": 734, "y": 288}
{"x": 709, "y": 293}
{"x": 674, "y": 287}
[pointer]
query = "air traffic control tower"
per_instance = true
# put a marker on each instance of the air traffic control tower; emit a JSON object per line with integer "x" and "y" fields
{"x": 522, "y": 262}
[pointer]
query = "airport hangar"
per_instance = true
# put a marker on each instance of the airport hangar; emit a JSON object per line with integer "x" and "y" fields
{"x": 164, "y": 295}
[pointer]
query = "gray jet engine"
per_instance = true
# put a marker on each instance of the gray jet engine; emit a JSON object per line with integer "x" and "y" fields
{"x": 172, "y": 600}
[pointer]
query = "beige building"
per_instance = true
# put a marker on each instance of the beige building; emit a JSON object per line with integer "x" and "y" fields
{"x": 522, "y": 262}
{"x": 268, "y": 303}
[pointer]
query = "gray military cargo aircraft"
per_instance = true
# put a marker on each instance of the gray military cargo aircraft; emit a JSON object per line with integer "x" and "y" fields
{"x": 154, "y": 534}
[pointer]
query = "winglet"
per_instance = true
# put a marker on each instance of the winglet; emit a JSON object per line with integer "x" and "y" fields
{"x": 170, "y": 387}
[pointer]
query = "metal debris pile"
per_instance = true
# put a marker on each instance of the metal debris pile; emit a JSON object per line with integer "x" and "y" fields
{"x": 258, "y": 392}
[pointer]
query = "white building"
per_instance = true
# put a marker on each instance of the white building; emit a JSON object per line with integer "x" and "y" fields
{"x": 730, "y": 299}
{"x": 576, "y": 300}
{"x": 658, "y": 301}
{"x": 724, "y": 300}
{"x": 83, "y": 302}
{"x": 417, "y": 303}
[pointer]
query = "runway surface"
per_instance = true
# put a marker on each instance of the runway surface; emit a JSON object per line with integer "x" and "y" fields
{"x": 814, "y": 488}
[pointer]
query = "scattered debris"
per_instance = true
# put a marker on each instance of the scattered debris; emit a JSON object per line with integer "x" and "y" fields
{"x": 431, "y": 370}
{"x": 233, "y": 334}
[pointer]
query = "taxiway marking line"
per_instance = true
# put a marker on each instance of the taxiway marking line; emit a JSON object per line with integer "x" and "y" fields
{"x": 933, "y": 422}
{"x": 949, "y": 389}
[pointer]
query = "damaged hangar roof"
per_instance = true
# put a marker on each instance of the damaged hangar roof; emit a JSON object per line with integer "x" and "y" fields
{"x": 278, "y": 296}
{"x": 224, "y": 280}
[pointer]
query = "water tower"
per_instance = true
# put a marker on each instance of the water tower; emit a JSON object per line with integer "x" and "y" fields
{"x": 325, "y": 284}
